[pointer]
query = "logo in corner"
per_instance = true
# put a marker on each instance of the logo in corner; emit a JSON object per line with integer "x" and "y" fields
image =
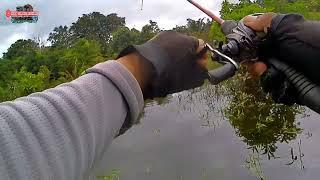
{"x": 22, "y": 14}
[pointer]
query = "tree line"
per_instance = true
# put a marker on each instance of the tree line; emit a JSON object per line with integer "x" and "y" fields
{"x": 29, "y": 66}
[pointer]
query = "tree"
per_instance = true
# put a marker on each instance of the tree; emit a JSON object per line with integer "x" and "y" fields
{"x": 75, "y": 60}
{"x": 122, "y": 38}
{"x": 199, "y": 28}
{"x": 21, "y": 48}
{"x": 98, "y": 27}
{"x": 226, "y": 8}
{"x": 6, "y": 71}
{"x": 149, "y": 31}
{"x": 23, "y": 53}
{"x": 26, "y": 83}
{"x": 61, "y": 37}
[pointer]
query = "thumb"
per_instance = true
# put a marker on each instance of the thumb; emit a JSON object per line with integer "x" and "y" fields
{"x": 202, "y": 59}
{"x": 253, "y": 23}
{"x": 259, "y": 23}
{"x": 256, "y": 69}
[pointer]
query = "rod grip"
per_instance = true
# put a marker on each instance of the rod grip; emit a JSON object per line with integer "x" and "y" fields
{"x": 221, "y": 74}
{"x": 309, "y": 92}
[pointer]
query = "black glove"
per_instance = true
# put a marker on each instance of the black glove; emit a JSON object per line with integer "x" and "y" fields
{"x": 292, "y": 40}
{"x": 277, "y": 85}
{"x": 173, "y": 56}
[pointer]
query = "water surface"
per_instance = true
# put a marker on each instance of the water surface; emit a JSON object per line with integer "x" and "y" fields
{"x": 189, "y": 137}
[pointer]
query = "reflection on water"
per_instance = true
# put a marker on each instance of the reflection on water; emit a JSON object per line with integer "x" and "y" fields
{"x": 207, "y": 103}
{"x": 254, "y": 166}
{"x": 259, "y": 122}
{"x": 230, "y": 131}
{"x": 256, "y": 119}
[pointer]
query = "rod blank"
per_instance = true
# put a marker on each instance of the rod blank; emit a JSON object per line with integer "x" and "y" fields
{"x": 208, "y": 12}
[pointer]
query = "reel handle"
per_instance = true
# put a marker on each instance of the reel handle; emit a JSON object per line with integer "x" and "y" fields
{"x": 223, "y": 73}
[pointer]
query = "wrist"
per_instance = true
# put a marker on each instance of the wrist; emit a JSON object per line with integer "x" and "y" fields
{"x": 140, "y": 68}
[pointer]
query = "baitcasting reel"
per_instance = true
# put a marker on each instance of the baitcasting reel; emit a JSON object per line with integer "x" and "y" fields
{"x": 242, "y": 45}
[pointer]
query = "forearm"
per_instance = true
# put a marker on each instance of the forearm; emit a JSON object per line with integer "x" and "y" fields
{"x": 61, "y": 133}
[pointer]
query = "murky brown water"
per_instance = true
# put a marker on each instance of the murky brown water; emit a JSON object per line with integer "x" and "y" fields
{"x": 193, "y": 136}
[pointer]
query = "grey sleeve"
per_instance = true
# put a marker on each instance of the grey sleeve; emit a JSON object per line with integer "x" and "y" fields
{"x": 63, "y": 132}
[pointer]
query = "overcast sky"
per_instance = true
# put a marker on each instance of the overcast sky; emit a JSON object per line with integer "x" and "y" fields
{"x": 167, "y": 13}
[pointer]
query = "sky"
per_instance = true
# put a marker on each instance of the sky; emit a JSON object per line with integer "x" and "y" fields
{"x": 52, "y": 13}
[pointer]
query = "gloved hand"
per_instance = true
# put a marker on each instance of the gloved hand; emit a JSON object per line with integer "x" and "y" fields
{"x": 278, "y": 86}
{"x": 177, "y": 63}
{"x": 273, "y": 81}
{"x": 259, "y": 24}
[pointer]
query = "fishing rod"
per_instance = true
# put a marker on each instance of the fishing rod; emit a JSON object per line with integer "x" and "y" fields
{"x": 242, "y": 44}
{"x": 206, "y": 11}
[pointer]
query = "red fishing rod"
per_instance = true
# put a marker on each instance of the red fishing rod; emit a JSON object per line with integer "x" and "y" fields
{"x": 208, "y": 12}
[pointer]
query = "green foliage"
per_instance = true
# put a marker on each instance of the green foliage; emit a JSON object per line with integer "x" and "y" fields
{"x": 149, "y": 31}
{"x": 96, "y": 26}
{"x": 122, "y": 38}
{"x": 4, "y": 94}
{"x": 6, "y": 69}
{"x": 231, "y": 11}
{"x": 198, "y": 28}
{"x": 309, "y": 8}
{"x": 257, "y": 119}
{"x": 241, "y": 10}
{"x": 21, "y": 48}
{"x": 82, "y": 55}
{"x": 29, "y": 67}
{"x": 216, "y": 33}
{"x": 254, "y": 166}
{"x": 113, "y": 175}
{"x": 61, "y": 37}
{"x": 25, "y": 83}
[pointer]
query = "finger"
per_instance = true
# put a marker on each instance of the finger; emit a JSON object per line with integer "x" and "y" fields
{"x": 257, "y": 68}
{"x": 253, "y": 23}
{"x": 201, "y": 46}
{"x": 203, "y": 59}
{"x": 259, "y": 23}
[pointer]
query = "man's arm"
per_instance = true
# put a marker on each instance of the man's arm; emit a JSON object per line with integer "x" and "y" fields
{"x": 61, "y": 133}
